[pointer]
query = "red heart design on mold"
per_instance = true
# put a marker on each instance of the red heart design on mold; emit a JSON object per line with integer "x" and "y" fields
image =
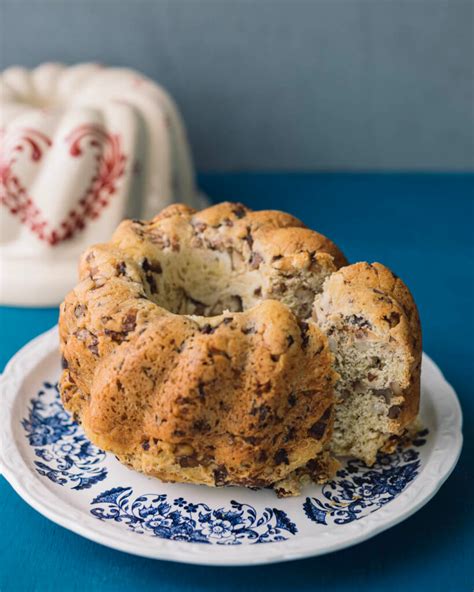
{"x": 110, "y": 166}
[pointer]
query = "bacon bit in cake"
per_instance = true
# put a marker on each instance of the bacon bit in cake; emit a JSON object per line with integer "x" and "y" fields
{"x": 281, "y": 492}
{"x": 154, "y": 267}
{"x": 248, "y": 237}
{"x": 394, "y": 412}
{"x": 359, "y": 322}
{"x": 327, "y": 414}
{"x": 317, "y": 430}
{"x": 79, "y": 311}
{"x": 220, "y": 476}
{"x": 116, "y": 336}
{"x": 239, "y": 211}
{"x": 262, "y": 411}
{"x": 159, "y": 239}
{"x": 188, "y": 462}
{"x": 265, "y": 387}
{"x": 377, "y": 363}
{"x": 93, "y": 347}
{"x": 201, "y": 426}
{"x": 281, "y": 457}
{"x": 251, "y": 440}
{"x": 130, "y": 321}
{"x": 393, "y": 319}
{"x": 304, "y": 328}
{"x": 248, "y": 330}
{"x": 121, "y": 268}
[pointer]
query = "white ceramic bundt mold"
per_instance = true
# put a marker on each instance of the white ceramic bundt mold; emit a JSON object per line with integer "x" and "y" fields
{"x": 81, "y": 148}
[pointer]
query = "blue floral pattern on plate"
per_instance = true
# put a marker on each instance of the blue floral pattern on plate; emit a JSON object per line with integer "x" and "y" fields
{"x": 180, "y": 520}
{"x": 359, "y": 490}
{"x": 66, "y": 456}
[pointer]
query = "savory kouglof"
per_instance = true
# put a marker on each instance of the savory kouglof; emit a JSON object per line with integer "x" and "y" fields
{"x": 232, "y": 347}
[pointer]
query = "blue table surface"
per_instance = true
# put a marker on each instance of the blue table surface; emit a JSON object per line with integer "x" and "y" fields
{"x": 422, "y": 227}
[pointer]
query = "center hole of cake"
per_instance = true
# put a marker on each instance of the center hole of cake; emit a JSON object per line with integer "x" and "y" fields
{"x": 202, "y": 284}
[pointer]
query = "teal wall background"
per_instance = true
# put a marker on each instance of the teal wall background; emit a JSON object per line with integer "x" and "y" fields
{"x": 290, "y": 84}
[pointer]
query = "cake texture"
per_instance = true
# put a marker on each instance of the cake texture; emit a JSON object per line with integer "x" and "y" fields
{"x": 216, "y": 347}
{"x": 81, "y": 148}
{"x": 373, "y": 331}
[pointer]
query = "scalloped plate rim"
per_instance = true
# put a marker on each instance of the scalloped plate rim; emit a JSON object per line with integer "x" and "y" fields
{"x": 17, "y": 473}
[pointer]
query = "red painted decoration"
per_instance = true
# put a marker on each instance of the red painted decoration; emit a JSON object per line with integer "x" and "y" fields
{"x": 110, "y": 166}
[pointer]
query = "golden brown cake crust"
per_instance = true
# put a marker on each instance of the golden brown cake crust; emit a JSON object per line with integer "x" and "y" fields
{"x": 241, "y": 396}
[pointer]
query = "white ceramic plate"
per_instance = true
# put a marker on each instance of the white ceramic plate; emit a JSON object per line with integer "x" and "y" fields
{"x": 55, "y": 469}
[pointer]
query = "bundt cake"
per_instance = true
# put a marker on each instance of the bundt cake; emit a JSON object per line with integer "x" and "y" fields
{"x": 232, "y": 347}
{"x": 81, "y": 148}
